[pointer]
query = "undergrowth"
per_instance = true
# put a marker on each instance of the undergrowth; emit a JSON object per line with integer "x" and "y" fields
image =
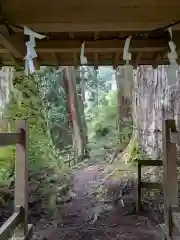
{"x": 43, "y": 158}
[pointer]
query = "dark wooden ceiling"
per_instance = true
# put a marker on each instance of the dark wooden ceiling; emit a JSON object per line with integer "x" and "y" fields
{"x": 103, "y": 25}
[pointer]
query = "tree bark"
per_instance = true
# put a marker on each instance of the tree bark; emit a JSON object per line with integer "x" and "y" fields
{"x": 124, "y": 82}
{"x": 75, "y": 108}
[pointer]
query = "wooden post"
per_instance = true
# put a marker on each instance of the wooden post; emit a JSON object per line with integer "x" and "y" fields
{"x": 21, "y": 174}
{"x": 170, "y": 173}
{"x": 138, "y": 204}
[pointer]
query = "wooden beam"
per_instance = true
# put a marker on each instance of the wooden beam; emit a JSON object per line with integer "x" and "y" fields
{"x": 178, "y": 54}
{"x": 157, "y": 58}
{"x": 21, "y": 174}
{"x": 91, "y": 46}
{"x": 16, "y": 63}
{"x": 145, "y": 163}
{"x": 170, "y": 171}
{"x": 75, "y": 59}
{"x": 96, "y": 35}
{"x": 137, "y": 59}
{"x": 96, "y": 59}
{"x": 9, "y": 138}
{"x": 117, "y": 59}
{"x": 4, "y": 51}
{"x": 70, "y": 62}
{"x": 9, "y": 44}
{"x": 91, "y": 26}
{"x": 165, "y": 55}
{"x": 55, "y": 58}
{"x": 101, "y": 46}
{"x": 71, "y": 35}
{"x": 151, "y": 185}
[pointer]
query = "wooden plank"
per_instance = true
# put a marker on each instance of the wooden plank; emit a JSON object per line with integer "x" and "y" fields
{"x": 100, "y": 46}
{"x": 150, "y": 162}
{"x": 138, "y": 57}
{"x": 21, "y": 174}
{"x": 55, "y": 58}
{"x": 151, "y": 185}
{"x": 9, "y": 139}
{"x": 74, "y": 45}
{"x": 96, "y": 35}
{"x": 109, "y": 26}
{"x": 170, "y": 172}
{"x": 16, "y": 63}
{"x": 11, "y": 45}
{"x": 77, "y": 12}
{"x": 130, "y": 3}
{"x": 96, "y": 61}
{"x": 7, "y": 229}
{"x": 118, "y": 56}
{"x": 105, "y": 60}
{"x": 91, "y": 26}
{"x": 75, "y": 60}
{"x": 157, "y": 58}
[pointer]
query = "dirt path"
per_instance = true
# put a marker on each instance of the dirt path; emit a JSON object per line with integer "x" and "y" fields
{"x": 77, "y": 219}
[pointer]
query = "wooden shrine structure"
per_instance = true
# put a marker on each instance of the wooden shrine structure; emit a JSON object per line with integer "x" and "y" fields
{"x": 102, "y": 24}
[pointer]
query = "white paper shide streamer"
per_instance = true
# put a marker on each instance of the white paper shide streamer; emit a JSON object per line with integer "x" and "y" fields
{"x": 127, "y": 67}
{"x": 31, "y": 53}
{"x": 126, "y": 53}
{"x": 83, "y": 59}
{"x": 172, "y": 56}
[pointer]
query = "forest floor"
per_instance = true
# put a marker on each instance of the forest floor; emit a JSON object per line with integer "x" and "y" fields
{"x": 85, "y": 217}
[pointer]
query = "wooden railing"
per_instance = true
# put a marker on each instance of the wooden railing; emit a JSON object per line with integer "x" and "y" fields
{"x": 170, "y": 138}
{"x": 147, "y": 185}
{"x": 71, "y": 158}
{"x": 17, "y": 224}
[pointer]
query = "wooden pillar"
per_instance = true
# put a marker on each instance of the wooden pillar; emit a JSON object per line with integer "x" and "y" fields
{"x": 170, "y": 173}
{"x": 21, "y": 175}
{"x": 138, "y": 203}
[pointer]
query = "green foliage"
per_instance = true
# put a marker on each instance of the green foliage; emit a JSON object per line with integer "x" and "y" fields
{"x": 125, "y": 133}
{"x": 133, "y": 152}
{"x": 26, "y": 103}
{"x": 102, "y": 119}
{"x": 7, "y": 156}
{"x": 56, "y": 111}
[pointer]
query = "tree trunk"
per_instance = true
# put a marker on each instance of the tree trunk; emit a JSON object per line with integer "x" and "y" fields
{"x": 79, "y": 133}
{"x": 64, "y": 129}
{"x": 124, "y": 79}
